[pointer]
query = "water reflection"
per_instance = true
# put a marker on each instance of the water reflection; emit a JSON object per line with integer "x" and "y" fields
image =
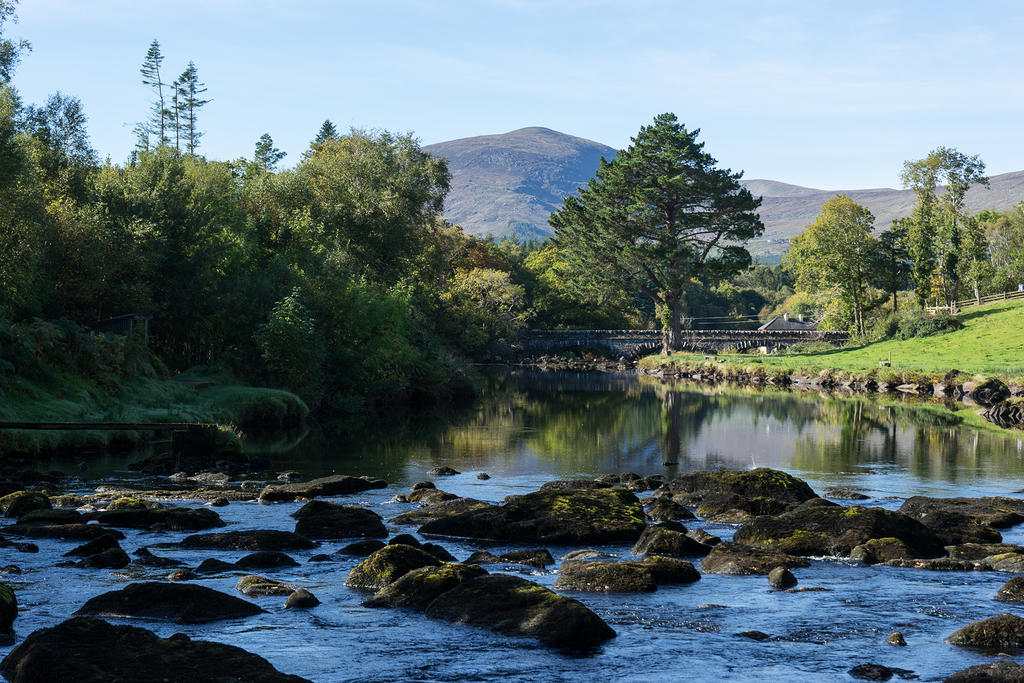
{"x": 573, "y": 424}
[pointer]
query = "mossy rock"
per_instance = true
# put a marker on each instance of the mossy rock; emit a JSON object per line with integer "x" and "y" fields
{"x": 607, "y": 577}
{"x": 182, "y": 603}
{"x": 993, "y": 672}
{"x": 939, "y": 564}
{"x": 879, "y": 550}
{"x": 419, "y": 587}
{"x": 816, "y": 529}
{"x": 997, "y": 512}
{"x": 132, "y": 503}
{"x": 1012, "y": 590}
{"x": 389, "y": 564}
{"x": 87, "y": 650}
{"x": 96, "y": 545}
{"x": 514, "y": 606}
{"x": 532, "y": 557}
{"x": 736, "y": 559}
{"x": 8, "y": 606}
{"x": 732, "y": 508}
{"x": 429, "y": 496}
{"x": 762, "y": 482}
{"x": 258, "y": 539}
{"x": 657, "y": 540}
{"x": 667, "y": 510}
{"x": 1005, "y": 562}
{"x": 21, "y": 502}
{"x": 668, "y": 571}
{"x": 446, "y": 508}
{"x": 552, "y": 516}
{"x": 995, "y": 633}
{"x": 322, "y": 520}
{"x": 68, "y": 532}
{"x": 979, "y": 551}
{"x": 170, "y": 519}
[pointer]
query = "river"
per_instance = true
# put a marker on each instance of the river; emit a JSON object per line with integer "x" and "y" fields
{"x": 532, "y": 427}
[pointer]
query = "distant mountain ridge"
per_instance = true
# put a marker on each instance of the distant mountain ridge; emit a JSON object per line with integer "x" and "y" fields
{"x": 509, "y": 184}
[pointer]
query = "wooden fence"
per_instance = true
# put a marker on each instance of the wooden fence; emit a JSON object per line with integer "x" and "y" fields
{"x": 966, "y": 303}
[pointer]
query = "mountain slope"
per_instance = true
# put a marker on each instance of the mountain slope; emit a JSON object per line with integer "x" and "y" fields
{"x": 509, "y": 184}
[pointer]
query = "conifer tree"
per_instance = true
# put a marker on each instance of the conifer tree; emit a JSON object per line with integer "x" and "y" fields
{"x": 189, "y": 91}
{"x": 266, "y": 155}
{"x": 160, "y": 115}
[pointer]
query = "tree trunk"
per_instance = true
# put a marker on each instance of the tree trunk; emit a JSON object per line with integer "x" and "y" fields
{"x": 671, "y": 339}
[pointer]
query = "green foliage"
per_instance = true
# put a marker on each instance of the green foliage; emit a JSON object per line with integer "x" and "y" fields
{"x": 658, "y": 215}
{"x": 915, "y": 323}
{"x": 292, "y": 348}
{"x": 482, "y": 307}
{"x": 10, "y": 50}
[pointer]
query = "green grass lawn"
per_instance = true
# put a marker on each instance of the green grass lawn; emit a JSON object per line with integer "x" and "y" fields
{"x": 990, "y": 343}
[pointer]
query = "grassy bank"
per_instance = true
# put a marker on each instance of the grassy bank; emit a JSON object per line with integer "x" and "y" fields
{"x": 991, "y": 343}
{"x": 59, "y": 373}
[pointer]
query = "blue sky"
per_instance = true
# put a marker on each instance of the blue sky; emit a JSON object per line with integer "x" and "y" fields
{"x": 834, "y": 95}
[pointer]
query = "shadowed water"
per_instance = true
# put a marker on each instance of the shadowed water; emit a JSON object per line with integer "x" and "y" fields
{"x": 534, "y": 427}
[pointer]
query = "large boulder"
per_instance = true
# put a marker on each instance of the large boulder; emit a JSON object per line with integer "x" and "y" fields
{"x": 8, "y": 606}
{"x": 266, "y": 559}
{"x": 762, "y": 482}
{"x": 995, "y": 633}
{"x": 87, "y": 650}
{"x": 171, "y": 519}
{"x": 389, "y": 564}
{"x": 20, "y": 502}
{"x": 440, "y": 510}
{"x": 182, "y": 603}
{"x": 998, "y": 512}
{"x": 1012, "y": 590}
{"x": 666, "y": 510}
{"x": 657, "y": 540}
{"x": 335, "y": 485}
{"x": 67, "y": 532}
{"x": 737, "y": 559}
{"x": 979, "y": 551}
{"x": 514, "y": 606}
{"x": 607, "y": 577}
{"x": 668, "y": 571}
{"x": 987, "y": 392}
{"x": 322, "y": 520}
{"x": 259, "y": 539}
{"x": 552, "y": 516}
{"x": 816, "y": 529}
{"x": 878, "y": 550}
{"x": 419, "y": 587}
{"x": 1004, "y": 671}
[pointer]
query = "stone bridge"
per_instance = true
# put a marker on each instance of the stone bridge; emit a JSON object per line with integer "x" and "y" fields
{"x": 633, "y": 344}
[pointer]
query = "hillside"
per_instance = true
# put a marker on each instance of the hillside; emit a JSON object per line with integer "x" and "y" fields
{"x": 509, "y": 184}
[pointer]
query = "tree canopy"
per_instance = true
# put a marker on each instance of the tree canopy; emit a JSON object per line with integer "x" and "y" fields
{"x": 658, "y": 215}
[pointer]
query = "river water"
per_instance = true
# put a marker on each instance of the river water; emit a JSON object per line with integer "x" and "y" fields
{"x": 532, "y": 427}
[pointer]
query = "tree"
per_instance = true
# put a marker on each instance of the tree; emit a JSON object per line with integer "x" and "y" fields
{"x": 327, "y": 132}
{"x": 838, "y": 250}
{"x": 894, "y": 259}
{"x": 936, "y": 231}
{"x": 188, "y": 101}
{"x": 658, "y": 215}
{"x": 10, "y": 50}
{"x": 266, "y": 155}
{"x": 1004, "y": 234}
{"x": 160, "y": 115}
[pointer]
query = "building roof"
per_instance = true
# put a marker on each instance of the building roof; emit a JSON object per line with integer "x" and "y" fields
{"x": 788, "y": 323}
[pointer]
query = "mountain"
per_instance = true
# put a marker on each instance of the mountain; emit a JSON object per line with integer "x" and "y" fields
{"x": 509, "y": 184}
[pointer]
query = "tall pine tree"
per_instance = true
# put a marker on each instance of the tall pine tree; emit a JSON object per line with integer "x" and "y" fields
{"x": 189, "y": 91}
{"x": 160, "y": 116}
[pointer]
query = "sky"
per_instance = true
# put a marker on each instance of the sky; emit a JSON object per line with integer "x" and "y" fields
{"x": 826, "y": 94}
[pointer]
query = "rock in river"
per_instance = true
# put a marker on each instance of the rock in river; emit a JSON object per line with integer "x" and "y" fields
{"x": 8, "y": 606}
{"x": 322, "y": 520}
{"x": 335, "y": 485}
{"x": 1012, "y": 590}
{"x": 608, "y": 577}
{"x": 87, "y": 650}
{"x": 552, "y": 516}
{"x": 172, "y": 519}
{"x": 389, "y": 564}
{"x": 439, "y": 510}
{"x": 738, "y": 559}
{"x": 994, "y": 672}
{"x": 514, "y": 606}
{"x": 181, "y": 603}
{"x": 657, "y": 540}
{"x": 818, "y": 529}
{"x": 259, "y": 539}
{"x": 419, "y": 587}
{"x": 999, "y": 632}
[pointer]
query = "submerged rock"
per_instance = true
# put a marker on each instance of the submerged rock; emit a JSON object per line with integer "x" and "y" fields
{"x": 387, "y": 565}
{"x": 87, "y": 650}
{"x": 813, "y": 529}
{"x": 335, "y": 485}
{"x": 896, "y": 638}
{"x": 68, "y": 532}
{"x": 301, "y": 599}
{"x": 737, "y": 559}
{"x": 322, "y": 520}
{"x": 253, "y": 584}
{"x": 177, "y": 602}
{"x": 260, "y": 539}
{"x": 266, "y": 559}
{"x": 552, "y": 516}
{"x": 362, "y": 548}
{"x": 1002, "y": 631}
{"x": 212, "y": 565}
{"x": 609, "y": 577}
{"x": 443, "y": 471}
{"x": 419, "y": 587}
{"x": 514, "y": 606}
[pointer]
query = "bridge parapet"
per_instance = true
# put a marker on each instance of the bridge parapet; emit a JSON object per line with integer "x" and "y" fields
{"x": 632, "y": 344}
